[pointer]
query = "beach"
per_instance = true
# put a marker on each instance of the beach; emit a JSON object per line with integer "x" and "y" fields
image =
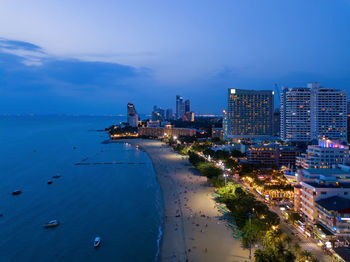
{"x": 192, "y": 230}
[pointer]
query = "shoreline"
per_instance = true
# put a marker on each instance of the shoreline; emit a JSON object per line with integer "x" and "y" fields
{"x": 191, "y": 230}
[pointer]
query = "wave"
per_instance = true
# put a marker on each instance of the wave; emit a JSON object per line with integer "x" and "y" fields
{"x": 159, "y": 239}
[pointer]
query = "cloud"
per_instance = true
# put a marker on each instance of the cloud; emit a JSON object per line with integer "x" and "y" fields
{"x": 31, "y": 55}
{"x": 28, "y": 73}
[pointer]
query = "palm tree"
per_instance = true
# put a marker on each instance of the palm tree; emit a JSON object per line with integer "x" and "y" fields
{"x": 305, "y": 256}
{"x": 280, "y": 249}
{"x": 289, "y": 257}
{"x": 288, "y": 240}
{"x": 260, "y": 256}
{"x": 297, "y": 248}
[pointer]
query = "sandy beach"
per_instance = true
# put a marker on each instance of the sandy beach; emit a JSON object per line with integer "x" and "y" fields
{"x": 191, "y": 230}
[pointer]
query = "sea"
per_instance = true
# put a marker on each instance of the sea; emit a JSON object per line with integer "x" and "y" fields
{"x": 106, "y": 190}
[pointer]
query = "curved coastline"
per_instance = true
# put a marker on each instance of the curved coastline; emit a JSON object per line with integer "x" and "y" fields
{"x": 191, "y": 230}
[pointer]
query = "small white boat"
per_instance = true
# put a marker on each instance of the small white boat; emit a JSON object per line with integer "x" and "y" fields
{"x": 97, "y": 241}
{"x": 52, "y": 223}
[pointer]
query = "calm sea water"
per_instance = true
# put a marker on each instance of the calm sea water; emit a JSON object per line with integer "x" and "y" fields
{"x": 121, "y": 203}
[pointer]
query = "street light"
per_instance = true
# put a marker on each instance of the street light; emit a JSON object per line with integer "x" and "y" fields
{"x": 225, "y": 176}
{"x": 250, "y": 235}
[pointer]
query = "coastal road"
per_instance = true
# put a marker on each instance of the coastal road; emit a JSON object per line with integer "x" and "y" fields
{"x": 304, "y": 242}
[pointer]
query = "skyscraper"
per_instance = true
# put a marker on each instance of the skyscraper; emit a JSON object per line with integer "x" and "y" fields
{"x": 328, "y": 113}
{"x": 249, "y": 113}
{"x": 295, "y": 114}
{"x": 133, "y": 117}
{"x": 348, "y": 117}
{"x": 169, "y": 114}
{"x": 180, "y": 109}
{"x": 276, "y": 123}
{"x": 312, "y": 113}
{"x": 158, "y": 114}
{"x": 224, "y": 125}
{"x": 187, "y": 106}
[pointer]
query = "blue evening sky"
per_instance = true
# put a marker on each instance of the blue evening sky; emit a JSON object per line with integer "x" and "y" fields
{"x": 92, "y": 57}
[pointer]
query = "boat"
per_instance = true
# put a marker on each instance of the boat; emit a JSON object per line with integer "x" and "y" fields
{"x": 56, "y": 176}
{"x": 16, "y": 192}
{"x": 49, "y": 182}
{"x": 97, "y": 242}
{"x": 52, "y": 223}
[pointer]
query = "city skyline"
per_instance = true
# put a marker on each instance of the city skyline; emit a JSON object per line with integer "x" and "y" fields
{"x": 118, "y": 51}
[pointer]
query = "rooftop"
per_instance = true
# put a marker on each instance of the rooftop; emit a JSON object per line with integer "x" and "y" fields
{"x": 334, "y": 203}
{"x": 327, "y": 185}
{"x": 326, "y": 171}
{"x": 344, "y": 253}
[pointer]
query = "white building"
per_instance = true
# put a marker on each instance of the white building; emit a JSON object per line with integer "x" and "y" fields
{"x": 326, "y": 154}
{"x": 180, "y": 107}
{"x": 310, "y": 175}
{"x": 312, "y": 113}
{"x": 322, "y": 188}
{"x": 328, "y": 113}
{"x": 334, "y": 214}
{"x": 295, "y": 114}
{"x": 133, "y": 117}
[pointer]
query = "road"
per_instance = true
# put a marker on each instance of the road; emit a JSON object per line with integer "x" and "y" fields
{"x": 305, "y": 243}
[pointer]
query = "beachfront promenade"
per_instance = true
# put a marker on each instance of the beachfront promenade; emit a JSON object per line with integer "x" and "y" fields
{"x": 191, "y": 231}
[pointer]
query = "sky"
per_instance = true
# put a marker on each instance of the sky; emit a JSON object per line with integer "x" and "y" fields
{"x": 92, "y": 57}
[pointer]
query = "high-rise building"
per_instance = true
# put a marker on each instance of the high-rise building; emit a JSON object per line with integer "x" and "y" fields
{"x": 189, "y": 115}
{"x": 324, "y": 155}
{"x": 169, "y": 114}
{"x": 224, "y": 125}
{"x": 249, "y": 113}
{"x": 328, "y": 113}
{"x": 322, "y": 188}
{"x": 132, "y": 116}
{"x": 187, "y": 106}
{"x": 158, "y": 114}
{"x": 276, "y": 123}
{"x": 180, "y": 107}
{"x": 348, "y": 121}
{"x": 295, "y": 114}
{"x": 312, "y": 113}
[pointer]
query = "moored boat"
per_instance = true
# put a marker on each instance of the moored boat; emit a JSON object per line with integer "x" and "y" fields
{"x": 52, "y": 223}
{"x": 97, "y": 242}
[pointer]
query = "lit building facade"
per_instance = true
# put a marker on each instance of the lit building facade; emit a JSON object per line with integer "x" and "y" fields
{"x": 334, "y": 214}
{"x": 216, "y": 133}
{"x": 158, "y": 114}
{"x": 329, "y": 113}
{"x": 249, "y": 113}
{"x": 168, "y": 130}
{"x": 339, "y": 173}
{"x": 180, "y": 107}
{"x": 169, "y": 114}
{"x": 132, "y": 116}
{"x": 313, "y": 112}
{"x": 272, "y": 155}
{"x": 295, "y": 114}
{"x": 320, "y": 189}
{"x": 324, "y": 155}
{"x": 224, "y": 125}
